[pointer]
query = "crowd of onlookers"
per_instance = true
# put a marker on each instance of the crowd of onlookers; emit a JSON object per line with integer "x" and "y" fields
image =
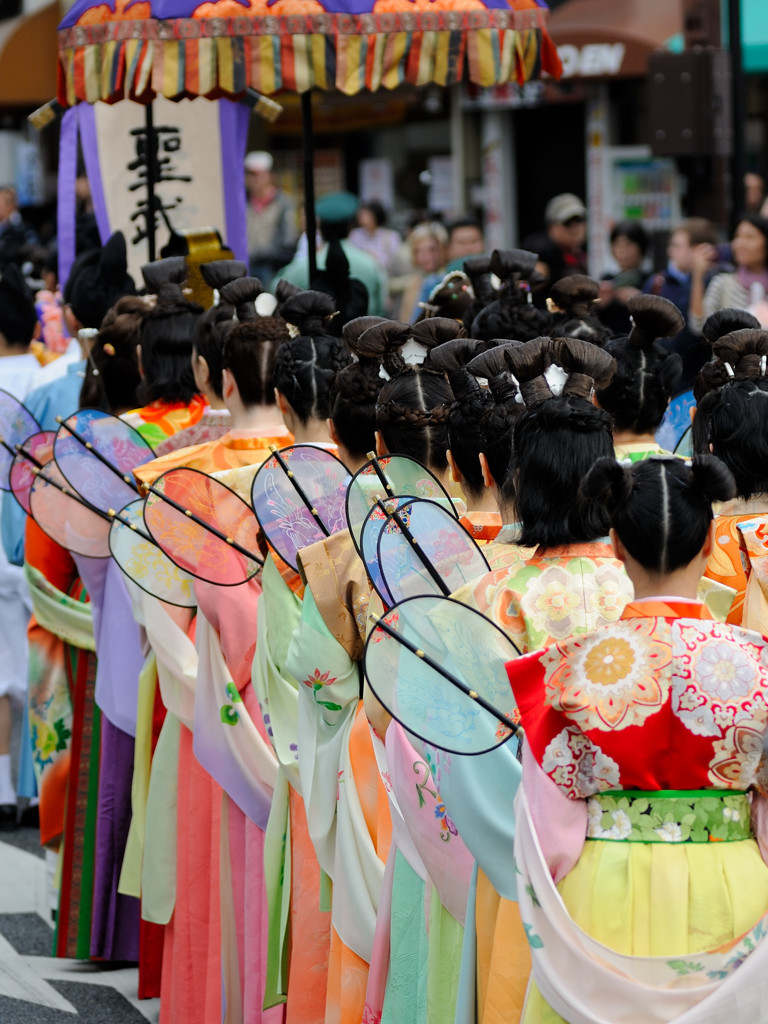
{"x": 400, "y": 271}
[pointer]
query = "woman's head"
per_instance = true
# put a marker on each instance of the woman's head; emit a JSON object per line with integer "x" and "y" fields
{"x": 412, "y": 416}
{"x": 572, "y": 302}
{"x": 428, "y": 244}
{"x": 661, "y": 507}
{"x": 371, "y": 215}
{"x": 749, "y": 243}
{"x": 112, "y": 373}
{"x": 558, "y": 438}
{"x": 730, "y": 423}
{"x": 167, "y": 336}
{"x": 647, "y": 374}
{"x": 304, "y": 368}
{"x": 629, "y": 244}
{"x": 248, "y": 356}
{"x": 354, "y": 392}
{"x": 511, "y": 314}
{"x": 471, "y": 404}
{"x": 738, "y": 345}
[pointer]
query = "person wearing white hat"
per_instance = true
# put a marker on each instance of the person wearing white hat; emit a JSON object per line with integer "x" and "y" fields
{"x": 271, "y": 219}
{"x": 561, "y": 246}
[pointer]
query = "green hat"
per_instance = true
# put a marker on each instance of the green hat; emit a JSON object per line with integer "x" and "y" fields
{"x": 337, "y": 208}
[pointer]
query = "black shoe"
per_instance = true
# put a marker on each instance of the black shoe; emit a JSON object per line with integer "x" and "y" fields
{"x": 8, "y": 814}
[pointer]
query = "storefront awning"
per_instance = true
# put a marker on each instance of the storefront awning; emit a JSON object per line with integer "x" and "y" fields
{"x": 606, "y": 39}
{"x": 29, "y": 58}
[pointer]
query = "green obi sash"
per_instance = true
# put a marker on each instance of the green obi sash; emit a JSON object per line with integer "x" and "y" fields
{"x": 669, "y": 816}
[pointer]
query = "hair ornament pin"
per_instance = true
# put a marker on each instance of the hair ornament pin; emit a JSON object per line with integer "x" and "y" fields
{"x": 729, "y": 370}
{"x": 763, "y": 361}
{"x": 109, "y": 349}
{"x": 293, "y": 331}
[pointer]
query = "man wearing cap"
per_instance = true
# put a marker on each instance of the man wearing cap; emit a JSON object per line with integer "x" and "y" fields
{"x": 561, "y": 249}
{"x": 271, "y": 219}
{"x": 336, "y": 214}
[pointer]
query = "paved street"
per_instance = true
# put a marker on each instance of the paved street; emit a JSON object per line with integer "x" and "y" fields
{"x": 35, "y": 988}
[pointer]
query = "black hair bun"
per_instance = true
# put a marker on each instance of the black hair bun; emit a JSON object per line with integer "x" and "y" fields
{"x": 590, "y": 365}
{"x": 654, "y": 317}
{"x": 217, "y": 273}
{"x": 713, "y": 478}
{"x": 608, "y": 482}
{"x": 508, "y": 262}
{"x": 309, "y": 312}
{"x": 436, "y": 330}
{"x": 284, "y": 290}
{"x": 164, "y": 278}
{"x": 575, "y": 295}
{"x": 241, "y": 293}
{"x": 726, "y": 321}
{"x": 352, "y": 329}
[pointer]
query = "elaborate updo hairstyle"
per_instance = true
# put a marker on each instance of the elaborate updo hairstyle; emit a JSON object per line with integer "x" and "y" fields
{"x": 722, "y": 330}
{"x": 512, "y": 314}
{"x": 306, "y": 364}
{"x": 647, "y": 374}
{"x": 471, "y": 404}
{"x": 112, "y": 374}
{"x": 167, "y": 335}
{"x": 412, "y": 416}
{"x": 215, "y": 323}
{"x": 498, "y": 419}
{"x": 309, "y": 313}
{"x": 18, "y": 317}
{"x": 572, "y": 302}
{"x": 98, "y": 278}
{"x": 398, "y": 345}
{"x": 478, "y": 270}
{"x": 558, "y": 439}
{"x": 250, "y": 352}
{"x": 660, "y": 507}
{"x": 355, "y": 390}
{"x": 450, "y": 298}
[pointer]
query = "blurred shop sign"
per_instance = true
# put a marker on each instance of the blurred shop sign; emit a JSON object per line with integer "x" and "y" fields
{"x": 595, "y": 60}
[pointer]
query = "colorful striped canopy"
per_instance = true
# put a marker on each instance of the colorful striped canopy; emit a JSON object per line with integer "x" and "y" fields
{"x": 143, "y": 48}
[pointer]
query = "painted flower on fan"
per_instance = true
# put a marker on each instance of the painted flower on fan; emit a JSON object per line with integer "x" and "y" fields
{"x": 449, "y": 547}
{"x": 318, "y": 679}
{"x": 724, "y": 672}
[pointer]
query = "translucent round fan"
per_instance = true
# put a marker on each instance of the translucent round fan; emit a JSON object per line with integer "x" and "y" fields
{"x": 369, "y": 543}
{"x": 299, "y": 497}
{"x": 34, "y": 453}
{"x": 439, "y": 668}
{"x": 385, "y": 478}
{"x": 676, "y": 422}
{"x": 204, "y": 527}
{"x": 144, "y": 562}
{"x": 422, "y": 549}
{"x": 684, "y": 446}
{"x": 97, "y": 453}
{"x": 16, "y": 424}
{"x": 65, "y": 517}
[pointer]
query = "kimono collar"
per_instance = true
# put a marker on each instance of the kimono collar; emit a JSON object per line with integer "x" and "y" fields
{"x": 666, "y": 608}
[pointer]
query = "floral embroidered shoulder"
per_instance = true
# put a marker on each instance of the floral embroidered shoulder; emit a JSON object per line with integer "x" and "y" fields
{"x": 696, "y": 687}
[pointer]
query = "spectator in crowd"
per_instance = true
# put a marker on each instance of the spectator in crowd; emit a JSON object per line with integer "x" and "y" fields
{"x": 629, "y": 244}
{"x": 271, "y": 219}
{"x": 336, "y": 214}
{"x": 465, "y": 239}
{"x": 746, "y": 287}
{"x": 692, "y": 254}
{"x": 14, "y": 233}
{"x": 373, "y": 236}
{"x": 561, "y": 247}
{"x": 429, "y": 248}
{"x": 754, "y": 192}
